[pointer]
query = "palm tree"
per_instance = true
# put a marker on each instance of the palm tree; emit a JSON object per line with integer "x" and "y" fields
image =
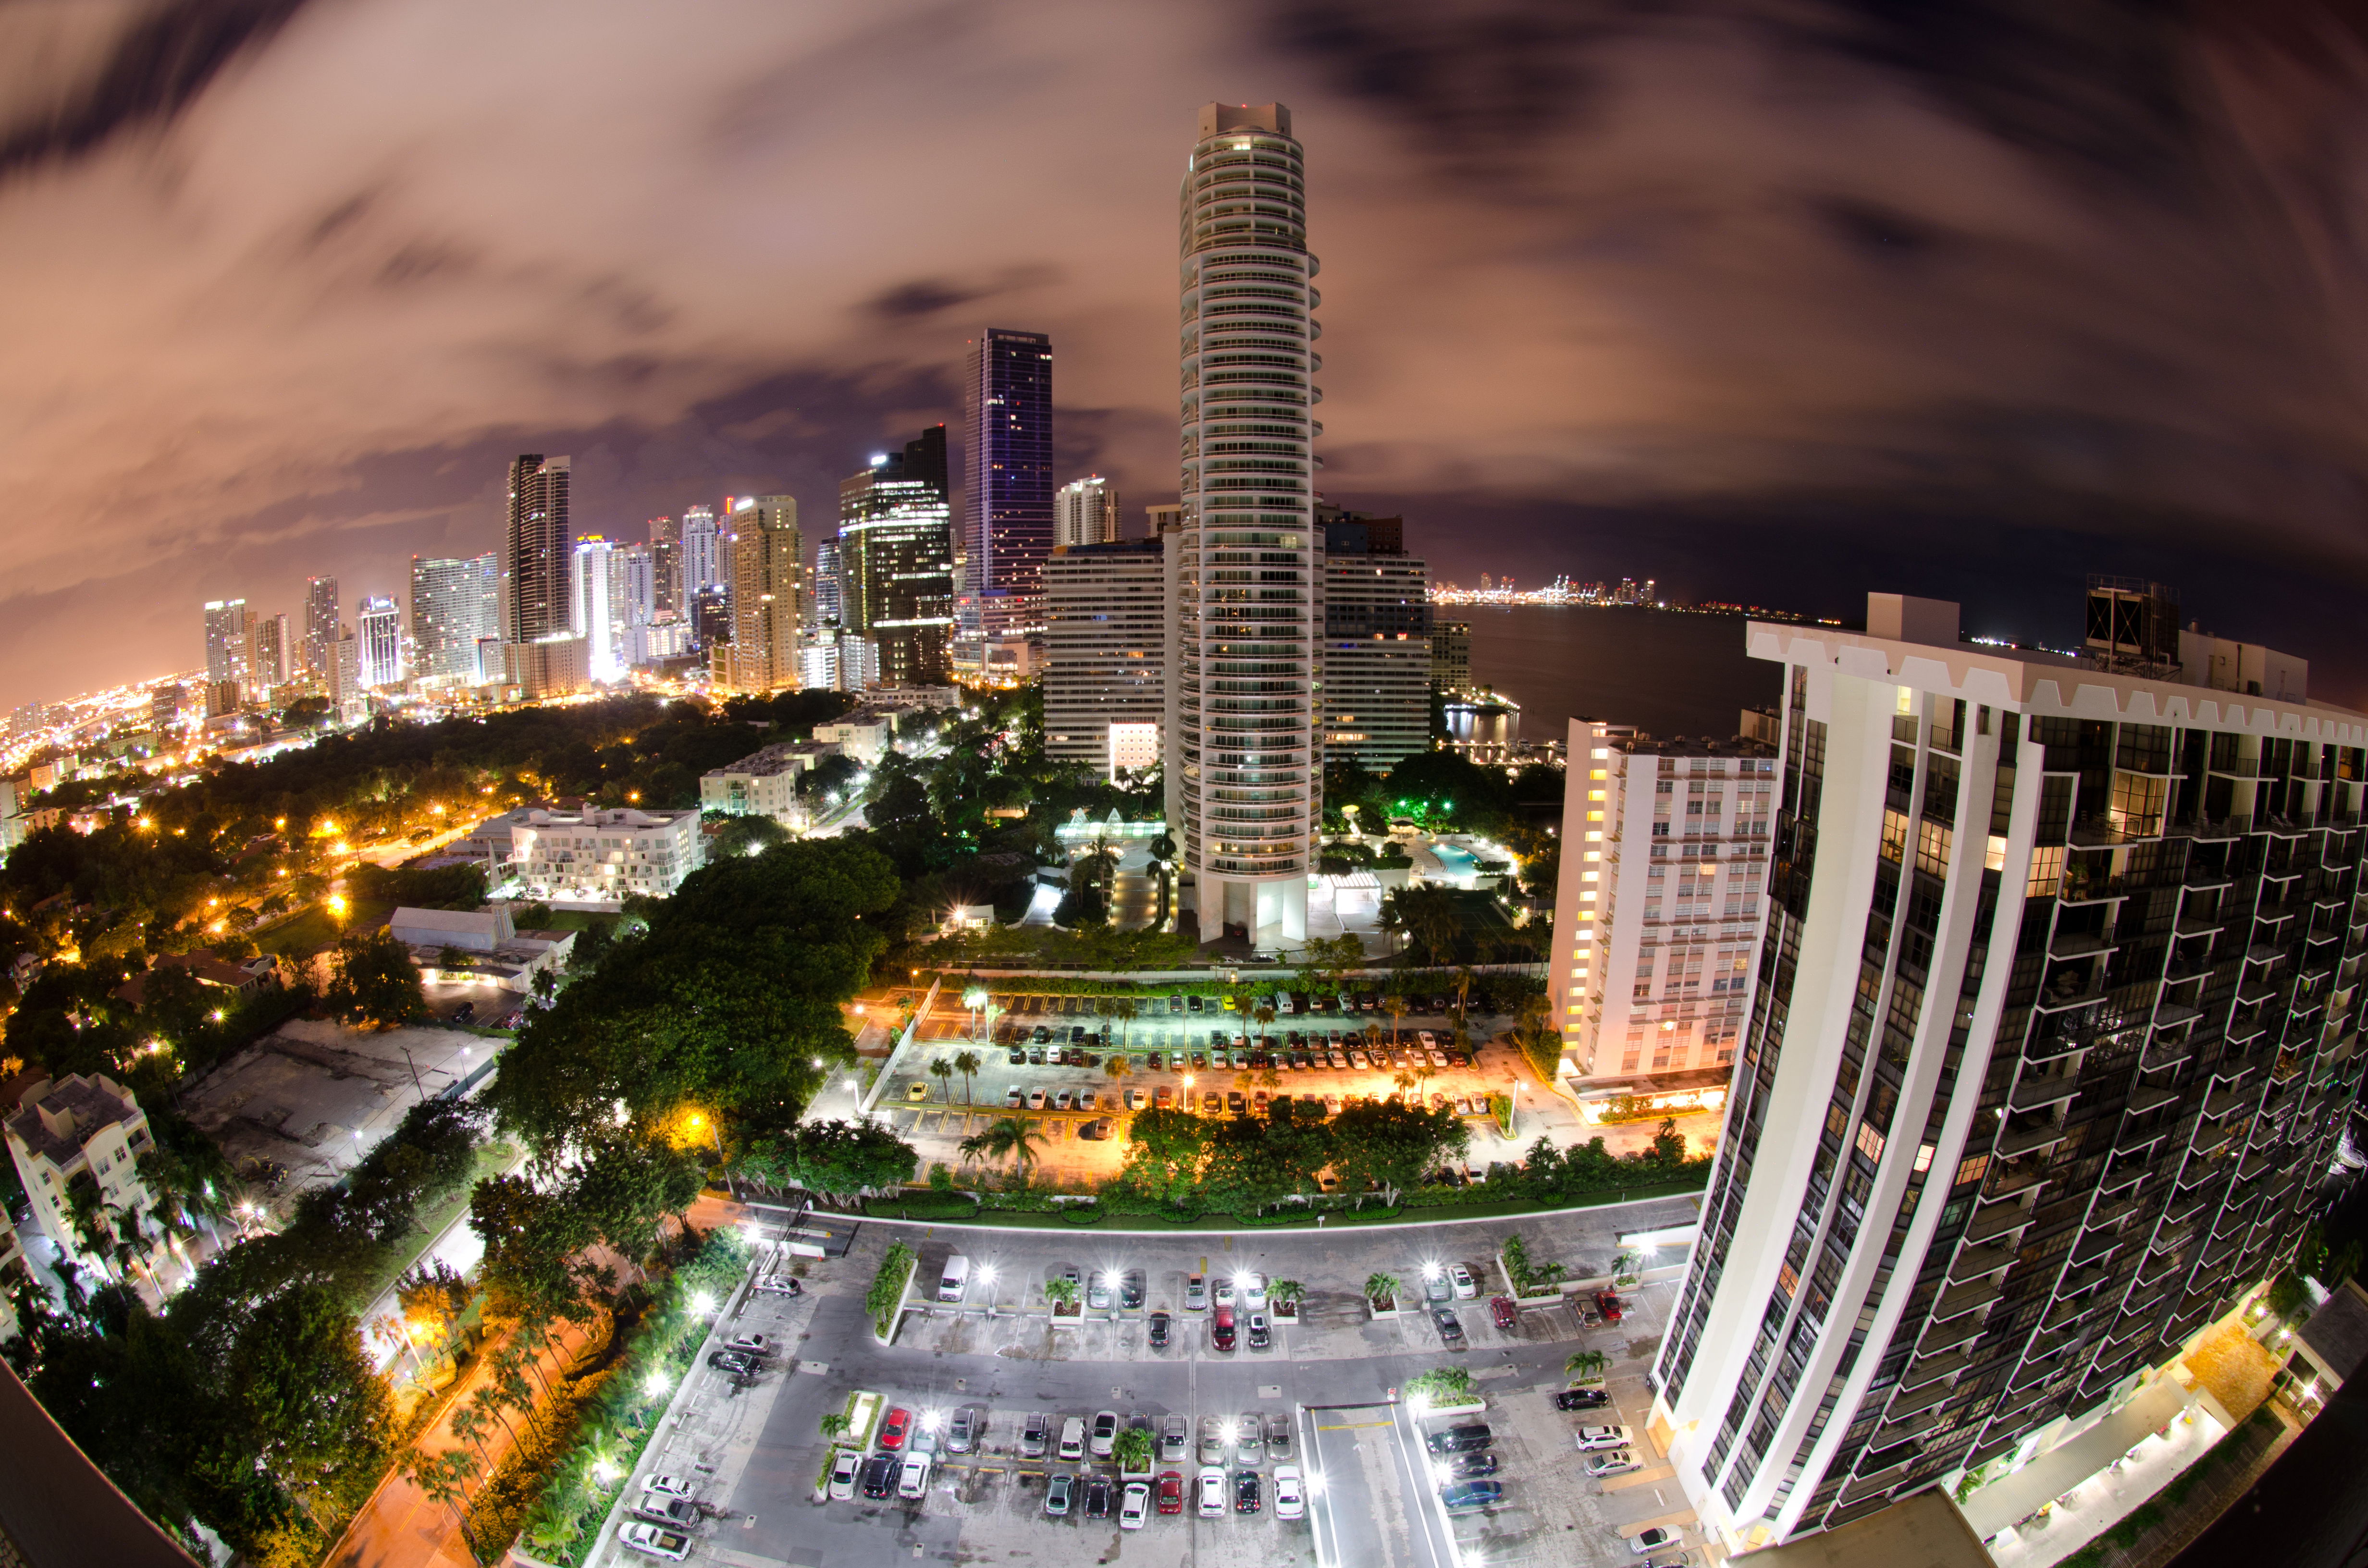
{"x": 1396, "y": 1006}
{"x": 1116, "y": 1066}
{"x": 943, "y": 1072}
{"x": 1463, "y": 979}
{"x": 1585, "y": 1364}
{"x": 1123, "y": 1010}
{"x": 1006, "y": 1135}
{"x": 1382, "y": 1287}
{"x": 966, "y": 1063}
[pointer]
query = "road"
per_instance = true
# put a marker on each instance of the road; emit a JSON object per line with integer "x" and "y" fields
{"x": 759, "y": 1451}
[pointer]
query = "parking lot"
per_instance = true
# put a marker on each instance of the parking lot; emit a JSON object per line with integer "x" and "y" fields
{"x": 997, "y": 1355}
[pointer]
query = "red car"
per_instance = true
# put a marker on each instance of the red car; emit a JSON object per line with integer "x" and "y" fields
{"x": 893, "y": 1430}
{"x": 1501, "y": 1308}
{"x": 1607, "y": 1303}
{"x": 1171, "y": 1493}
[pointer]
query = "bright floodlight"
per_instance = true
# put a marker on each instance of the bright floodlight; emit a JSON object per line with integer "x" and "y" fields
{"x": 1430, "y": 1271}
{"x": 702, "y": 1303}
{"x": 655, "y": 1383}
{"x": 1229, "y": 1431}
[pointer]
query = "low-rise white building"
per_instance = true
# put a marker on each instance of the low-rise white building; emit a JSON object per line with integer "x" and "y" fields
{"x": 1664, "y": 863}
{"x": 764, "y": 783}
{"x": 72, "y": 1131}
{"x": 604, "y": 856}
{"x": 478, "y": 947}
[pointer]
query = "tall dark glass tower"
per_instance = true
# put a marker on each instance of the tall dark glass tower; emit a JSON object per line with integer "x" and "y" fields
{"x": 896, "y": 554}
{"x": 1008, "y": 517}
{"x": 537, "y": 548}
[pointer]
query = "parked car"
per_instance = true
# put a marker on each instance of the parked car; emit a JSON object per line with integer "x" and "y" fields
{"x": 738, "y": 1363}
{"x": 1132, "y": 1288}
{"x": 1503, "y": 1313}
{"x": 1471, "y": 1467}
{"x": 1471, "y": 1437}
{"x": 1435, "y": 1285}
{"x": 655, "y": 1540}
{"x": 1290, "y": 1497}
{"x": 679, "y": 1513}
{"x": 880, "y": 1475}
{"x": 1105, "y": 1433}
{"x": 1221, "y": 1328}
{"x": 1278, "y": 1438}
{"x": 1613, "y": 1462}
{"x": 846, "y": 1466}
{"x": 1097, "y": 1498}
{"x": 1171, "y": 1493}
{"x": 754, "y": 1344}
{"x": 1593, "y": 1438}
{"x": 1196, "y": 1293}
{"x": 1073, "y": 1439}
{"x": 894, "y": 1427}
{"x": 1035, "y": 1436}
{"x": 1261, "y": 1332}
{"x": 1174, "y": 1437}
{"x": 962, "y": 1437}
{"x": 1451, "y": 1329}
{"x": 1461, "y": 1495}
{"x": 1136, "y": 1507}
{"x": 1459, "y": 1279}
{"x": 1607, "y": 1303}
{"x": 1060, "y": 1493}
{"x": 1211, "y": 1492}
{"x": 1582, "y": 1399}
{"x": 1213, "y": 1441}
{"x": 1650, "y": 1541}
{"x": 670, "y": 1485}
{"x": 1159, "y": 1331}
{"x": 1249, "y": 1439}
{"x": 913, "y": 1480}
{"x": 1097, "y": 1294}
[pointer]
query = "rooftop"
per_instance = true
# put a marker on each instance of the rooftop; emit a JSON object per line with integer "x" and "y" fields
{"x": 56, "y": 1118}
{"x": 2337, "y": 1333}
{"x": 790, "y": 756}
{"x": 1921, "y": 1531}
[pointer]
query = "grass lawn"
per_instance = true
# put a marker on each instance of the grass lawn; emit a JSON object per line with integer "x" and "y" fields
{"x": 317, "y": 929}
{"x": 580, "y": 920}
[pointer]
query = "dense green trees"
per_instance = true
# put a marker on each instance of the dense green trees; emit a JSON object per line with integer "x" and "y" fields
{"x": 726, "y": 1005}
{"x": 837, "y": 1159}
{"x": 372, "y": 982}
{"x": 1393, "y": 1146}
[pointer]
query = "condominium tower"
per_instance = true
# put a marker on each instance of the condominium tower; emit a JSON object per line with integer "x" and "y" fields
{"x": 454, "y": 605}
{"x": 537, "y": 548}
{"x": 1374, "y": 673}
{"x": 2053, "y": 1028}
{"x": 1657, "y": 912}
{"x": 896, "y": 549}
{"x": 767, "y": 589}
{"x": 227, "y": 641}
{"x": 1105, "y": 654}
{"x": 1245, "y": 569}
{"x": 320, "y": 623}
{"x": 378, "y": 626}
{"x": 1085, "y": 511}
{"x": 1008, "y": 499}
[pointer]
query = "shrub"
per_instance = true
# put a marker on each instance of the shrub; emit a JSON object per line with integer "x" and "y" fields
{"x": 1441, "y": 1385}
{"x": 887, "y": 1289}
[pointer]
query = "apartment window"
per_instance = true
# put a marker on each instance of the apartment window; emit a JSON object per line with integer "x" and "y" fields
{"x": 1894, "y": 835}
{"x": 1869, "y": 1141}
{"x": 2046, "y": 871}
{"x": 1931, "y": 845}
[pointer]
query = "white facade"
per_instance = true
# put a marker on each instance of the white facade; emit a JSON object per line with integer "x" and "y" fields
{"x": 79, "y": 1128}
{"x": 2053, "y": 1028}
{"x": 764, "y": 783}
{"x": 1656, "y": 912}
{"x": 1085, "y": 511}
{"x": 701, "y": 565}
{"x": 1245, "y": 778}
{"x": 599, "y": 856}
{"x": 595, "y": 619}
{"x": 1105, "y": 649}
{"x": 378, "y": 630}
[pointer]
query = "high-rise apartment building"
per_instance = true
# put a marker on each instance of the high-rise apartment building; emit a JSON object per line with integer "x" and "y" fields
{"x": 378, "y": 628}
{"x": 2052, "y": 1029}
{"x": 1008, "y": 499}
{"x": 1656, "y": 912}
{"x": 537, "y": 550}
{"x": 1246, "y": 573}
{"x": 767, "y": 585}
{"x": 827, "y": 587}
{"x": 269, "y": 650}
{"x": 1451, "y": 655}
{"x": 700, "y": 567}
{"x": 320, "y": 622}
{"x": 1085, "y": 511}
{"x": 229, "y": 640}
{"x": 344, "y": 675}
{"x": 666, "y": 567}
{"x": 635, "y": 596}
{"x": 452, "y": 602}
{"x": 896, "y": 549}
{"x": 594, "y": 613}
{"x": 1105, "y": 653}
{"x": 1375, "y": 673}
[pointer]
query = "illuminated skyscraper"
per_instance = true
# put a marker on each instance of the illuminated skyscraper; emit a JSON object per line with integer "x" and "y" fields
{"x": 1085, "y": 511}
{"x": 767, "y": 581}
{"x": 1007, "y": 500}
{"x": 228, "y": 642}
{"x": 539, "y": 545}
{"x": 320, "y": 623}
{"x": 594, "y": 614}
{"x": 1246, "y": 582}
{"x": 896, "y": 558}
{"x": 378, "y": 641}
{"x": 453, "y": 601}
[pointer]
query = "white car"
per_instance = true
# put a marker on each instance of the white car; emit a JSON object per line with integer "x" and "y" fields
{"x": 1254, "y": 1292}
{"x": 1105, "y": 1433}
{"x": 1136, "y": 1505}
{"x": 1224, "y": 1290}
{"x": 844, "y": 1469}
{"x": 755, "y": 1344}
{"x": 1196, "y": 1293}
{"x": 1653, "y": 1540}
{"x": 1212, "y": 1493}
{"x": 668, "y": 1485}
{"x": 1289, "y": 1498}
{"x": 655, "y": 1540}
{"x": 1593, "y": 1438}
{"x": 1613, "y": 1462}
{"x": 913, "y": 1480}
{"x": 1460, "y": 1277}
{"x": 1427, "y": 1039}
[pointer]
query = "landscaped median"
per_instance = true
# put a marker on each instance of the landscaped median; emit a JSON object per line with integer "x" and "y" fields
{"x": 559, "y": 1484}
{"x": 1425, "y": 1206}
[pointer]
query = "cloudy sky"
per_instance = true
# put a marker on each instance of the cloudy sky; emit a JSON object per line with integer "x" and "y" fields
{"x": 1777, "y": 301}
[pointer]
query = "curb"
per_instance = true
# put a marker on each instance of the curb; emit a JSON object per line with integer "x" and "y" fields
{"x": 1375, "y": 1227}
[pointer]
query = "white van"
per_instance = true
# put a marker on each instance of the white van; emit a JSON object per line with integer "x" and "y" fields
{"x": 956, "y": 1279}
{"x": 1073, "y": 1438}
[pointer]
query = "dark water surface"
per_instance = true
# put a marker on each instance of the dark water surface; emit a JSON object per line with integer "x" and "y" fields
{"x": 1669, "y": 675}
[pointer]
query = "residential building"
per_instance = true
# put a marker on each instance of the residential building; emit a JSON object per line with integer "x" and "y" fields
{"x": 826, "y": 590}
{"x": 634, "y": 597}
{"x": 2051, "y": 1038}
{"x": 1451, "y": 655}
{"x": 598, "y": 856}
{"x": 1162, "y": 517}
{"x": 592, "y": 610}
{"x": 896, "y": 554}
{"x": 1376, "y": 665}
{"x": 320, "y": 623}
{"x": 767, "y": 585}
{"x": 1008, "y": 522}
{"x": 79, "y": 1134}
{"x": 1105, "y": 651}
{"x": 838, "y": 660}
{"x": 453, "y": 604}
{"x": 700, "y": 566}
{"x": 268, "y": 647}
{"x": 537, "y": 547}
{"x": 1656, "y": 912}
{"x": 666, "y": 567}
{"x": 228, "y": 642}
{"x": 552, "y": 667}
{"x": 483, "y": 946}
{"x": 1085, "y": 511}
{"x": 379, "y": 629}
{"x": 1245, "y": 569}
{"x": 764, "y": 783}
{"x": 164, "y": 704}
{"x": 344, "y": 677}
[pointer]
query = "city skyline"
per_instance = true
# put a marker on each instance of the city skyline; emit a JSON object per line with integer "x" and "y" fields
{"x": 1936, "y": 416}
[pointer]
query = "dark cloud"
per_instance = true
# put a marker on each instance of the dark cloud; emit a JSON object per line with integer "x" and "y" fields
{"x": 1770, "y": 299}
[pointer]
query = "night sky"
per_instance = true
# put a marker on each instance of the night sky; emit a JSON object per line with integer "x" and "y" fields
{"x": 1777, "y": 302}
